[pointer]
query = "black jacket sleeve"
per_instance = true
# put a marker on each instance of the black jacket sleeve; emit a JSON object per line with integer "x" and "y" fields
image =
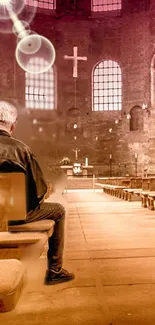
{"x": 36, "y": 186}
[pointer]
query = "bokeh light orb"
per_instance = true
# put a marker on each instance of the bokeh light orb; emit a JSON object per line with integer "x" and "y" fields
{"x": 8, "y": 6}
{"x": 26, "y": 14}
{"x": 21, "y": 28}
{"x": 30, "y": 44}
{"x": 41, "y": 60}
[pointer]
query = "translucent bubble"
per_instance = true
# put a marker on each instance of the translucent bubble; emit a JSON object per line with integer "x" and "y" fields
{"x": 21, "y": 28}
{"x": 26, "y": 14}
{"x": 38, "y": 62}
{"x": 30, "y": 44}
{"x": 9, "y": 6}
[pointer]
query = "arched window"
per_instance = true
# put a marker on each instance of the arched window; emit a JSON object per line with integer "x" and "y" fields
{"x": 107, "y": 86}
{"x": 45, "y": 4}
{"x": 40, "y": 88}
{"x": 136, "y": 121}
{"x": 106, "y": 5}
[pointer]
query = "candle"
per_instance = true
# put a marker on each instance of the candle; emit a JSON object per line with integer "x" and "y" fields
{"x": 86, "y": 162}
{"x": 136, "y": 155}
{"x": 110, "y": 156}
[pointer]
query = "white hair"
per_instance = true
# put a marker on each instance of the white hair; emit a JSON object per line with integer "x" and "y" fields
{"x": 8, "y": 114}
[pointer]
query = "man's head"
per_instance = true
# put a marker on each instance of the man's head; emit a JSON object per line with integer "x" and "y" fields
{"x": 8, "y": 116}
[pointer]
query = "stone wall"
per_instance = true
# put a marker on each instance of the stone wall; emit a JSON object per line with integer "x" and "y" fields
{"x": 127, "y": 38}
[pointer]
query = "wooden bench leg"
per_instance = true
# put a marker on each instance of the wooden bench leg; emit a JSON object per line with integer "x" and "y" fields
{"x": 144, "y": 201}
{"x": 151, "y": 203}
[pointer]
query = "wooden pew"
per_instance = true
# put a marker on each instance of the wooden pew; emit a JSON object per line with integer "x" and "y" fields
{"x": 147, "y": 194}
{"x": 20, "y": 242}
{"x": 132, "y": 192}
{"x": 113, "y": 185}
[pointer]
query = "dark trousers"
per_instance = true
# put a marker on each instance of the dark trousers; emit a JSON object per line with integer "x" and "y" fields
{"x": 56, "y": 212}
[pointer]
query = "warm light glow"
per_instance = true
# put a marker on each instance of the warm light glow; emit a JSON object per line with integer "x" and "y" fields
{"x": 5, "y": 2}
{"x": 144, "y": 106}
{"x": 75, "y": 126}
{"x": 128, "y": 116}
{"x": 110, "y": 130}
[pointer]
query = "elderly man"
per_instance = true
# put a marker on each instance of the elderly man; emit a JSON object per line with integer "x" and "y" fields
{"x": 17, "y": 155}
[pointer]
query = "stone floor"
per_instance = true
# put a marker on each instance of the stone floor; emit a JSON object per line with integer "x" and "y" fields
{"x": 110, "y": 245}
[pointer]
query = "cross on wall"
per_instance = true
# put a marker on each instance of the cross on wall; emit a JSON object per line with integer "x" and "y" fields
{"x": 76, "y": 153}
{"x": 75, "y": 59}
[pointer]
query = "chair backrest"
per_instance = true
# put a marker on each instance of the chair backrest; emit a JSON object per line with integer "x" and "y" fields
{"x": 12, "y": 197}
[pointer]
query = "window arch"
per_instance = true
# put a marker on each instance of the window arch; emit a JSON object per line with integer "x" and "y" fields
{"x": 107, "y": 86}
{"x": 45, "y": 4}
{"x": 40, "y": 88}
{"x": 106, "y": 5}
{"x": 136, "y": 120}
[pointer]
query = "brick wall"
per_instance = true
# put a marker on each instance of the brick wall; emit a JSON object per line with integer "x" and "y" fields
{"x": 128, "y": 39}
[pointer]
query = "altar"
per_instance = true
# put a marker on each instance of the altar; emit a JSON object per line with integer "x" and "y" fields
{"x": 69, "y": 170}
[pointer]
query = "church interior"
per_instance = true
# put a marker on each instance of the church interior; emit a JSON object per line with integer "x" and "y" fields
{"x": 81, "y": 74}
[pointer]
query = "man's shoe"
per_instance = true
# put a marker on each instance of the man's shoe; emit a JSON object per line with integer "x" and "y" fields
{"x": 53, "y": 277}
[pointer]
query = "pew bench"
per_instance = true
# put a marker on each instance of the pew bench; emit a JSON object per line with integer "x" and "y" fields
{"x": 12, "y": 282}
{"x": 43, "y": 226}
{"x": 144, "y": 198}
{"x": 133, "y": 194}
{"x": 151, "y": 199}
{"x": 21, "y": 242}
{"x": 111, "y": 189}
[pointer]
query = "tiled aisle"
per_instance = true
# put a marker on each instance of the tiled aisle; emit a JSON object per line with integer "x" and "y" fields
{"x": 110, "y": 245}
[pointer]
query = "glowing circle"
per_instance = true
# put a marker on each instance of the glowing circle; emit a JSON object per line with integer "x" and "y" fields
{"x": 19, "y": 13}
{"x": 30, "y": 44}
{"x": 9, "y": 6}
{"x": 20, "y": 28}
{"x": 43, "y": 58}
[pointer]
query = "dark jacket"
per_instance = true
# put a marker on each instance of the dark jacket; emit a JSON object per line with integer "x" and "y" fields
{"x": 17, "y": 156}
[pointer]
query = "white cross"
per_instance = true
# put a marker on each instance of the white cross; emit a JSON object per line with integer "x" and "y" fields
{"x": 76, "y": 153}
{"x": 75, "y": 59}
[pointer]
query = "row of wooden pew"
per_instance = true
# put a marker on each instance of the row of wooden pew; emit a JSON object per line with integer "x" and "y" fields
{"x": 130, "y": 189}
{"x": 19, "y": 244}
